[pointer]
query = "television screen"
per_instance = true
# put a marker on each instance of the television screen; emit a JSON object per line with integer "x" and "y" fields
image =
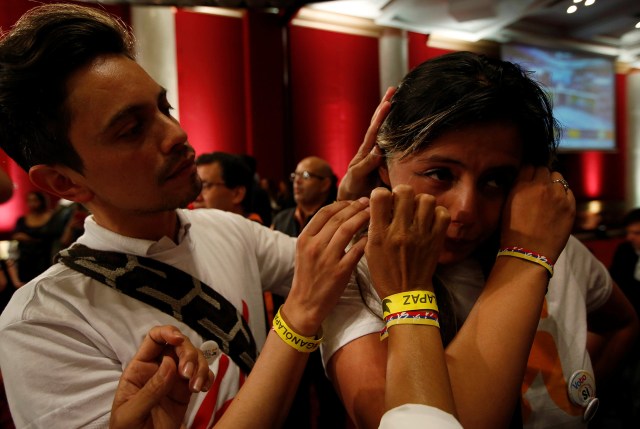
{"x": 582, "y": 89}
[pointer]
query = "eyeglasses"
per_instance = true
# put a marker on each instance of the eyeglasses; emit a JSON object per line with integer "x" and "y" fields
{"x": 305, "y": 175}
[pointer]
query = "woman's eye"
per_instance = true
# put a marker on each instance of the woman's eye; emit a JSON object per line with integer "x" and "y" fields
{"x": 441, "y": 174}
{"x": 501, "y": 182}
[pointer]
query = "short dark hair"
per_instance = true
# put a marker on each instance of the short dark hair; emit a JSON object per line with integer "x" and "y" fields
{"x": 460, "y": 89}
{"x": 235, "y": 172}
{"x": 37, "y": 56}
{"x": 632, "y": 217}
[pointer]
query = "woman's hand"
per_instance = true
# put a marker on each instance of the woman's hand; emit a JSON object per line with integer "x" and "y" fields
{"x": 362, "y": 174}
{"x": 539, "y": 213}
{"x": 323, "y": 267}
{"x": 155, "y": 388}
{"x": 406, "y": 234}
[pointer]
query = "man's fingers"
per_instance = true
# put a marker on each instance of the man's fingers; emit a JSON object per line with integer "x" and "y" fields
{"x": 156, "y": 340}
{"x": 330, "y": 217}
{"x": 137, "y": 408}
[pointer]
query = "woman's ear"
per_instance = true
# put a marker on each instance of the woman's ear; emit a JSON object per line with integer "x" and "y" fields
{"x": 60, "y": 181}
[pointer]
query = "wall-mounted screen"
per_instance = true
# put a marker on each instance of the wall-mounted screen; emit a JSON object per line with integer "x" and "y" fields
{"x": 582, "y": 87}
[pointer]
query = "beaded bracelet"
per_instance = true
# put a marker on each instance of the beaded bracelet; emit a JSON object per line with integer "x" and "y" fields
{"x": 295, "y": 340}
{"x": 418, "y": 317}
{"x": 410, "y": 300}
{"x": 528, "y": 255}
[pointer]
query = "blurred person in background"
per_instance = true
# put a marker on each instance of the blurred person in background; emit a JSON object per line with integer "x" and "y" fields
{"x": 35, "y": 233}
{"x": 227, "y": 184}
{"x": 314, "y": 186}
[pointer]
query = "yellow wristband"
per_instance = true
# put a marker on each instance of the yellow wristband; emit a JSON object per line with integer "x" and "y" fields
{"x": 295, "y": 340}
{"x": 410, "y": 300}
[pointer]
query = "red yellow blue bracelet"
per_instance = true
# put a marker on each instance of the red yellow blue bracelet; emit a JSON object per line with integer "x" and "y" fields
{"x": 528, "y": 255}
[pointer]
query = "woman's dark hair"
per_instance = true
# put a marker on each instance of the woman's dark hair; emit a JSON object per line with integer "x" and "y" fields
{"x": 461, "y": 89}
{"x": 37, "y": 56}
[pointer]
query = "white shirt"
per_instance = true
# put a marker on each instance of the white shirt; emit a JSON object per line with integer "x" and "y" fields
{"x": 66, "y": 338}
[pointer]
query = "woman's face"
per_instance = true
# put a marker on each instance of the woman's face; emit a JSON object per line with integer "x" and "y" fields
{"x": 469, "y": 171}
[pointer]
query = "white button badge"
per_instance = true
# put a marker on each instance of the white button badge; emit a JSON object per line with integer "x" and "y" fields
{"x": 210, "y": 350}
{"x": 582, "y": 392}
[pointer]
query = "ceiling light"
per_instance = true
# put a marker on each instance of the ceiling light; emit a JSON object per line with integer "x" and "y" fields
{"x": 572, "y": 8}
{"x": 577, "y": 1}
{"x": 589, "y": 2}
{"x": 638, "y": 24}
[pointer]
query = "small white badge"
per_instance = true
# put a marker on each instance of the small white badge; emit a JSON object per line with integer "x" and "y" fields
{"x": 210, "y": 350}
{"x": 582, "y": 392}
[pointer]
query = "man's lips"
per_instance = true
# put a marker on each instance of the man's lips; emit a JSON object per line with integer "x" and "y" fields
{"x": 187, "y": 164}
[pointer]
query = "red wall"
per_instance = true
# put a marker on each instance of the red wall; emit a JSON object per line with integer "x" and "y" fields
{"x": 334, "y": 90}
{"x": 210, "y": 81}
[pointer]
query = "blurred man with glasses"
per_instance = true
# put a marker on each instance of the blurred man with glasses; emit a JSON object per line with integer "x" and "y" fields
{"x": 314, "y": 185}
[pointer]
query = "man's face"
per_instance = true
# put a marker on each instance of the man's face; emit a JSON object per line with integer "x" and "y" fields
{"x": 633, "y": 234}
{"x": 313, "y": 190}
{"x": 136, "y": 156}
{"x": 214, "y": 194}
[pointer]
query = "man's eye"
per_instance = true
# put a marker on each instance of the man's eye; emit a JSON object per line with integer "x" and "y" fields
{"x": 133, "y": 131}
{"x": 167, "y": 109}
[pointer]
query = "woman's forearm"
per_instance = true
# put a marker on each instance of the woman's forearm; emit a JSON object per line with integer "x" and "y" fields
{"x": 493, "y": 345}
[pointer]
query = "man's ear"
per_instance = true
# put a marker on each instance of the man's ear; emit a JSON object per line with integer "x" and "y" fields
{"x": 61, "y": 182}
{"x": 383, "y": 171}
{"x": 238, "y": 194}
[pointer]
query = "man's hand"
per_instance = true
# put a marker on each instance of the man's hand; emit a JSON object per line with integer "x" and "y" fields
{"x": 362, "y": 174}
{"x": 155, "y": 388}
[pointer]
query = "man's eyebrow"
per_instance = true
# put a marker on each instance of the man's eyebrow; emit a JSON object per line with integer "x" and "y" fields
{"x": 131, "y": 110}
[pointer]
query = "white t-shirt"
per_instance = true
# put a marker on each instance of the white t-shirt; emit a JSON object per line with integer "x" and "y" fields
{"x": 580, "y": 284}
{"x": 66, "y": 338}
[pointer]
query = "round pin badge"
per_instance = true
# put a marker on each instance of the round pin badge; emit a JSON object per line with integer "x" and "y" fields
{"x": 591, "y": 409}
{"x": 210, "y": 350}
{"x": 582, "y": 392}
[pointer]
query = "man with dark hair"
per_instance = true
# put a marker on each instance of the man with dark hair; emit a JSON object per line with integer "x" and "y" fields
{"x": 227, "y": 184}
{"x": 90, "y": 125}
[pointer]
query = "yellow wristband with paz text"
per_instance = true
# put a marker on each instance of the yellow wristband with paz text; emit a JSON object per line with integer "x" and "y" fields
{"x": 410, "y": 300}
{"x": 295, "y": 340}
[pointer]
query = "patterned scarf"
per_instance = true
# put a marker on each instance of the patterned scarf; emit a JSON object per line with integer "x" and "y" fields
{"x": 171, "y": 291}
